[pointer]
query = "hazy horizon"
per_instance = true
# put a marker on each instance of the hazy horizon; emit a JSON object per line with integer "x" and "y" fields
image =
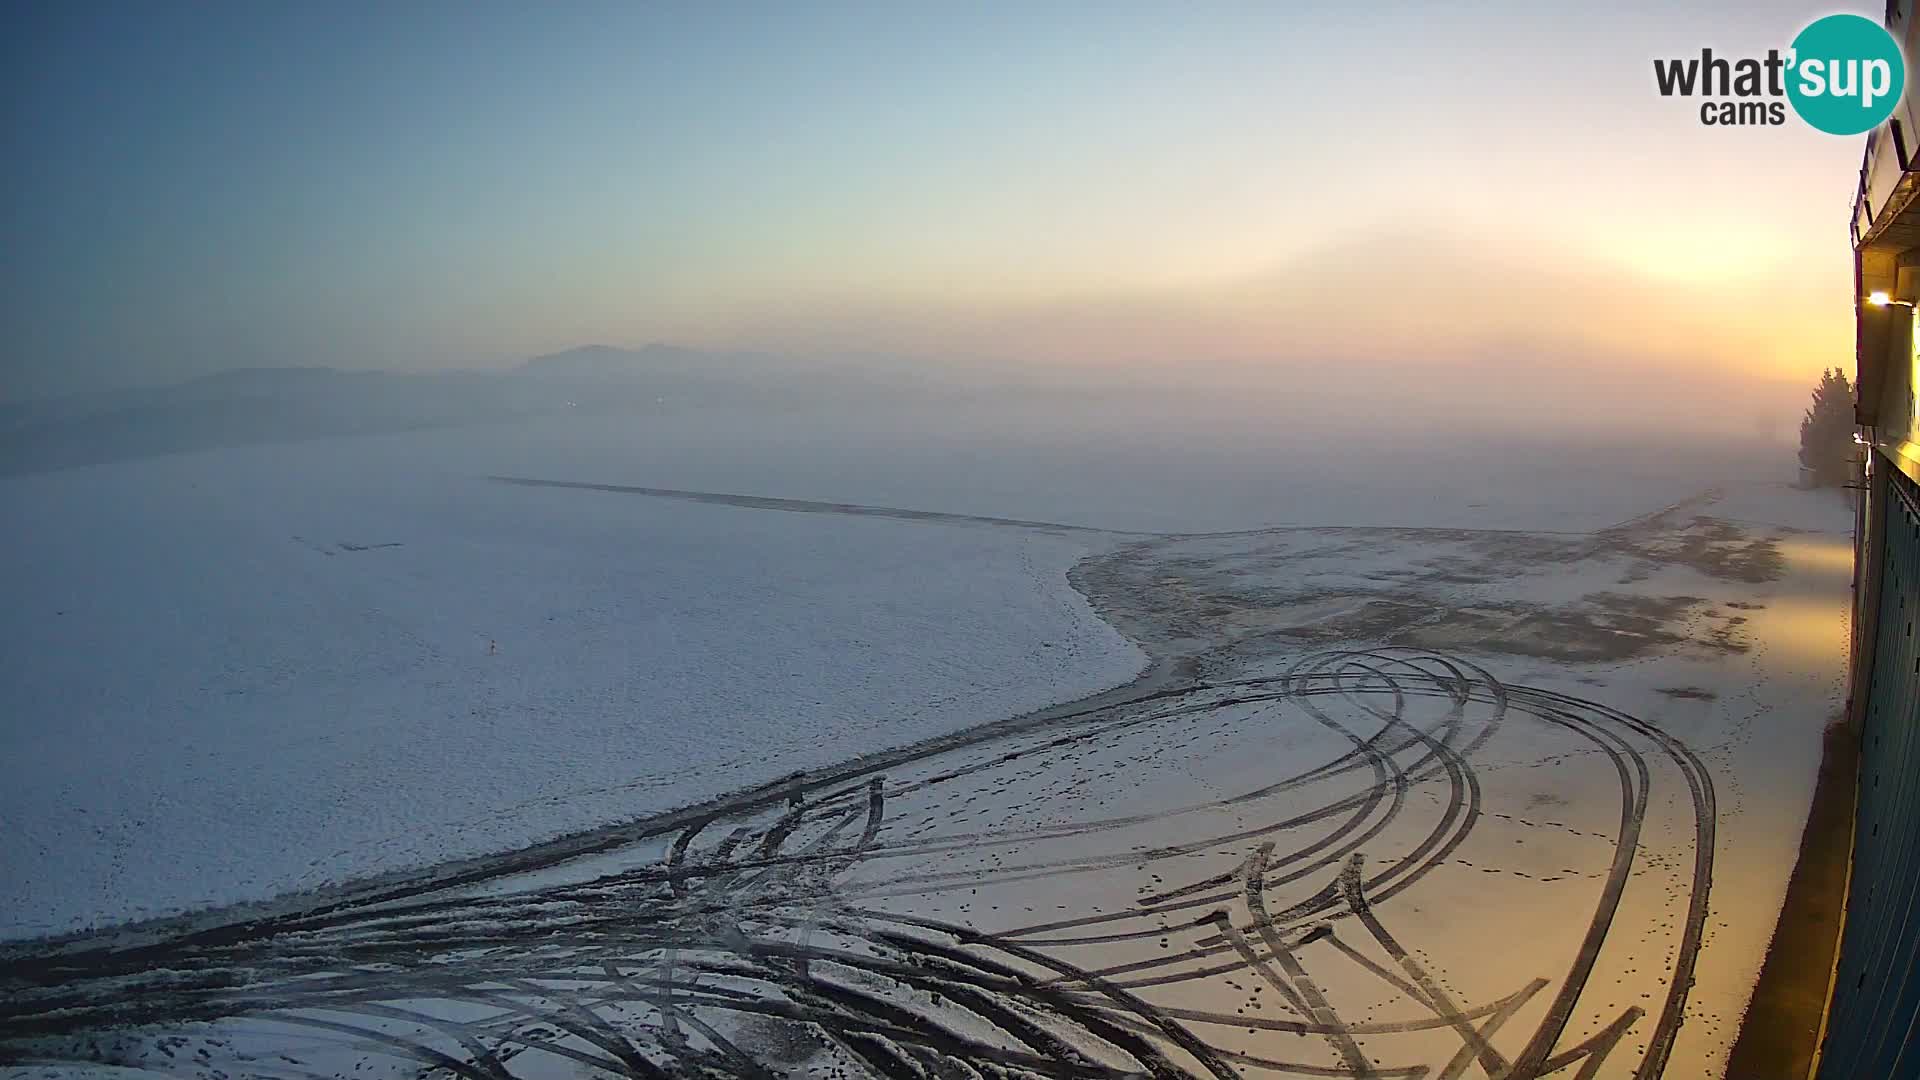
{"x": 1224, "y": 195}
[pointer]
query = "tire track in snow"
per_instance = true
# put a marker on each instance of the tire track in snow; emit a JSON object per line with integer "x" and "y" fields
{"x": 765, "y": 910}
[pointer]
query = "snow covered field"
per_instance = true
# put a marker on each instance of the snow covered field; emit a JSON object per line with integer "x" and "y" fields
{"x": 1458, "y": 797}
{"x": 1476, "y": 801}
{"x": 234, "y": 674}
{"x": 1164, "y": 464}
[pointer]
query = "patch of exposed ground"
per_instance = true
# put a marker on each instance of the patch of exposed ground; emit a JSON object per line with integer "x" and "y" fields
{"x": 1687, "y": 693}
{"x": 1605, "y": 597}
{"x": 1713, "y": 547}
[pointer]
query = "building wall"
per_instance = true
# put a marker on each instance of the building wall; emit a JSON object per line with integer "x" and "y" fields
{"x": 1896, "y": 418}
{"x": 1876, "y": 990}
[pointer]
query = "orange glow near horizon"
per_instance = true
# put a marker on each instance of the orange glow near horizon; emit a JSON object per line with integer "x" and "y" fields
{"x": 1016, "y": 191}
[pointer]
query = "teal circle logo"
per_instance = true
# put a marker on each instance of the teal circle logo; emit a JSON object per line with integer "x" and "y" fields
{"x": 1845, "y": 74}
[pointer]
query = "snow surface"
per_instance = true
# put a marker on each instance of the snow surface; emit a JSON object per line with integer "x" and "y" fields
{"x": 230, "y": 674}
{"x": 270, "y": 669}
{"x": 1122, "y": 844}
{"x": 233, "y": 674}
{"x": 1176, "y": 468}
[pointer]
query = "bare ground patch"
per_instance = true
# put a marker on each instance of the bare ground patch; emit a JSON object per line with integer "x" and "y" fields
{"x": 1225, "y": 600}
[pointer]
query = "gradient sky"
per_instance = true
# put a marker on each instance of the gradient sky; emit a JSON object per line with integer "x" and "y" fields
{"x": 199, "y": 186}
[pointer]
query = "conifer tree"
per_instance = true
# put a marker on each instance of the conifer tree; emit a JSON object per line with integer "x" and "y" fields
{"x": 1826, "y": 432}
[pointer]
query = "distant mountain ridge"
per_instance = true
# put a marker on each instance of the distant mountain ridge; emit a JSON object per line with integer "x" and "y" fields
{"x": 248, "y": 406}
{"x": 610, "y": 360}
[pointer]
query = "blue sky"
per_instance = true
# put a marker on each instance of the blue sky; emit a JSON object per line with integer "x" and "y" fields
{"x": 200, "y": 186}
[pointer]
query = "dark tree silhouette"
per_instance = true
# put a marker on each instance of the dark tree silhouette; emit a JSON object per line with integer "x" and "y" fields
{"x": 1826, "y": 432}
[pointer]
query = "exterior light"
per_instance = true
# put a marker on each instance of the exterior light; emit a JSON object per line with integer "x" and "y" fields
{"x": 1878, "y": 299}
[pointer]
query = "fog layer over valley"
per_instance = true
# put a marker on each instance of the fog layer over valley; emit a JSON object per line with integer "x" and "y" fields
{"x": 1167, "y": 448}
